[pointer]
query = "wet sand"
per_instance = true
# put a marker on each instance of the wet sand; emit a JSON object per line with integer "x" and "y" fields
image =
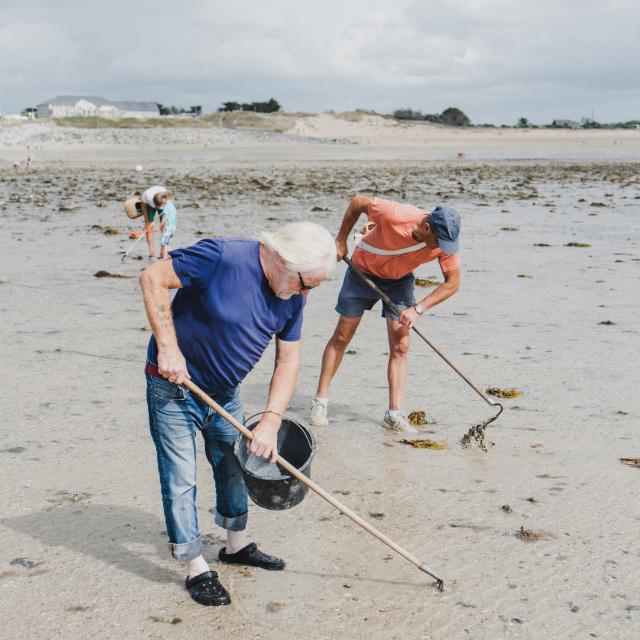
{"x": 83, "y": 551}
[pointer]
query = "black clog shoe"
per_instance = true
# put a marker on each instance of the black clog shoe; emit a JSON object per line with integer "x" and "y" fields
{"x": 252, "y": 557}
{"x": 206, "y": 589}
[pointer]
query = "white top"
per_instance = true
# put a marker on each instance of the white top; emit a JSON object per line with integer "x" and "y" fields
{"x": 147, "y": 196}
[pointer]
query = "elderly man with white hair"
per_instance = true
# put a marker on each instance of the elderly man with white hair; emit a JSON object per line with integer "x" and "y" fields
{"x": 233, "y": 296}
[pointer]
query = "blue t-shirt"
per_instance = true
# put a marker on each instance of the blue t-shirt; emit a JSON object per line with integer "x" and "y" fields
{"x": 226, "y": 314}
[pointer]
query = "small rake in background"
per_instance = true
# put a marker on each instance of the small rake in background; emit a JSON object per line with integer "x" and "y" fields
{"x": 134, "y": 244}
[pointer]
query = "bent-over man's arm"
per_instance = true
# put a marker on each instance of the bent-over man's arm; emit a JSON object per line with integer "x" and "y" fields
{"x": 283, "y": 384}
{"x": 156, "y": 281}
{"x": 358, "y": 205}
{"x": 443, "y": 291}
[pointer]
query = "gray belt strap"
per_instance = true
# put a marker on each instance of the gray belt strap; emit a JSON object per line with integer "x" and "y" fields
{"x": 390, "y": 252}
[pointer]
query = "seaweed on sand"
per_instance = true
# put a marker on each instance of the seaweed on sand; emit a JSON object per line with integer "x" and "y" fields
{"x": 528, "y": 535}
{"x": 426, "y": 282}
{"x": 503, "y": 393}
{"x": 108, "y": 274}
{"x": 419, "y": 418}
{"x": 477, "y": 435}
{"x": 426, "y": 444}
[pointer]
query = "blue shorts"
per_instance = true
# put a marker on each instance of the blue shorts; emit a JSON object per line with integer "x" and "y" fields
{"x": 356, "y": 296}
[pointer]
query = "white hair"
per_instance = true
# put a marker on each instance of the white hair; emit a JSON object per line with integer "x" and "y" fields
{"x": 305, "y": 247}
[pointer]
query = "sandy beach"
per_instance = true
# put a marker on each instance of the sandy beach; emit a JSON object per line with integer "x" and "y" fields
{"x": 536, "y": 538}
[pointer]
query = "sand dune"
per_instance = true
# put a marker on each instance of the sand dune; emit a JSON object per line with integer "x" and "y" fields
{"x": 367, "y": 134}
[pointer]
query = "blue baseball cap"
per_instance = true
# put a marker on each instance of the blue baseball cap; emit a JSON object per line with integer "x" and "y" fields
{"x": 445, "y": 224}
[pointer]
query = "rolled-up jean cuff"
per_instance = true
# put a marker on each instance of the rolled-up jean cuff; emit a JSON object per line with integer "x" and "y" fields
{"x": 186, "y": 550}
{"x": 235, "y": 523}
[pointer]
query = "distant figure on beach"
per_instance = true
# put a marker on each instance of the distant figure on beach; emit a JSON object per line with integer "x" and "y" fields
{"x": 234, "y": 295}
{"x": 167, "y": 228}
{"x": 403, "y": 238}
{"x": 153, "y": 201}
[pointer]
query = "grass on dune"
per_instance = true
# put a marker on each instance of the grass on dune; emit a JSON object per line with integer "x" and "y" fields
{"x": 277, "y": 122}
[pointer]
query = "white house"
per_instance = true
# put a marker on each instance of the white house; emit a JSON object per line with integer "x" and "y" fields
{"x": 62, "y": 106}
{"x": 566, "y": 124}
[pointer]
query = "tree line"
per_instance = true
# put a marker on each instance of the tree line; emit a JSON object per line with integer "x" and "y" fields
{"x": 270, "y": 106}
{"x": 164, "y": 110}
{"x": 452, "y": 117}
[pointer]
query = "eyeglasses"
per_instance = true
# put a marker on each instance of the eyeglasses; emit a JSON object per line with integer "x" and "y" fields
{"x": 303, "y": 286}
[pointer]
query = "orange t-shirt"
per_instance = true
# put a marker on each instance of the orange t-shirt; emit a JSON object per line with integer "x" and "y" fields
{"x": 394, "y": 222}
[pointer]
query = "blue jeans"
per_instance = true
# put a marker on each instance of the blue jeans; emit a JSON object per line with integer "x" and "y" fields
{"x": 175, "y": 416}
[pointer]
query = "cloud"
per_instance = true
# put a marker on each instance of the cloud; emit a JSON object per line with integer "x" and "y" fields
{"x": 495, "y": 59}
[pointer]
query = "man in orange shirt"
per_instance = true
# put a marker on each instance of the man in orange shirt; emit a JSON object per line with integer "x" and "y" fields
{"x": 404, "y": 237}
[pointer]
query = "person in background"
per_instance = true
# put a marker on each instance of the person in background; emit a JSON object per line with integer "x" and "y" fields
{"x": 152, "y": 202}
{"x": 167, "y": 228}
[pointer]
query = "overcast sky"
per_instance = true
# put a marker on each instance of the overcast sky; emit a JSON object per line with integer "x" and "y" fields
{"x": 497, "y": 60}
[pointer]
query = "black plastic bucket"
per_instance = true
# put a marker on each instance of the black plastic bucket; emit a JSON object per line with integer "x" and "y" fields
{"x": 269, "y": 485}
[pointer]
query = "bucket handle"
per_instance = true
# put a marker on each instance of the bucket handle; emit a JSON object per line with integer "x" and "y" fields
{"x": 259, "y": 413}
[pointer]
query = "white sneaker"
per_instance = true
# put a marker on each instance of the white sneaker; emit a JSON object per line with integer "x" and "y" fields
{"x": 397, "y": 421}
{"x": 318, "y": 414}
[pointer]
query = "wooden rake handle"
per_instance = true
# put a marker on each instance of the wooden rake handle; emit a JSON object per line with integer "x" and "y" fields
{"x": 316, "y": 488}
